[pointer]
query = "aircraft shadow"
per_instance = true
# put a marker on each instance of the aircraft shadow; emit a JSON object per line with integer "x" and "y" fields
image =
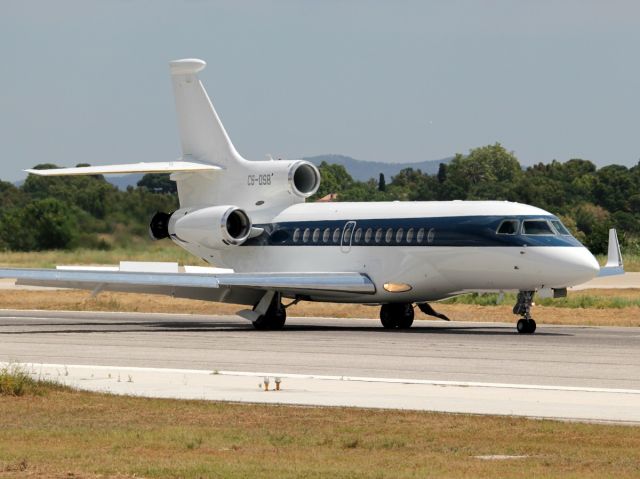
{"x": 94, "y": 327}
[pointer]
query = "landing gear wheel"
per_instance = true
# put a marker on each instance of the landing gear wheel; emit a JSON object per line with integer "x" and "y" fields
{"x": 273, "y": 319}
{"x": 524, "y": 302}
{"x": 396, "y": 315}
{"x": 526, "y": 326}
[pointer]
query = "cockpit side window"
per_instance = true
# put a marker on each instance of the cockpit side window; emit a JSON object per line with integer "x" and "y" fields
{"x": 508, "y": 227}
{"x": 560, "y": 228}
{"x": 536, "y": 227}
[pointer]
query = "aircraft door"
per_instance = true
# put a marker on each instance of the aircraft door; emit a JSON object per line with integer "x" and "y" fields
{"x": 347, "y": 235}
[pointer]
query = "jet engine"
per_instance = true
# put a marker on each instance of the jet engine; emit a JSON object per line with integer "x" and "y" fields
{"x": 216, "y": 227}
{"x": 304, "y": 178}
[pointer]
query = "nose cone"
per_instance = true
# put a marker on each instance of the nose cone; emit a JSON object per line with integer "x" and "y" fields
{"x": 582, "y": 266}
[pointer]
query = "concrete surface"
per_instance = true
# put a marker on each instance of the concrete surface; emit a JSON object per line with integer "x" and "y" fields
{"x": 581, "y": 404}
{"x": 585, "y": 373}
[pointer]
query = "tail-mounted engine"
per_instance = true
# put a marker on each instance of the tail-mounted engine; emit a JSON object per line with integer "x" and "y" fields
{"x": 215, "y": 227}
{"x": 304, "y": 179}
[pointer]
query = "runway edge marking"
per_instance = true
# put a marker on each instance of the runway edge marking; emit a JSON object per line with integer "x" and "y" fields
{"x": 429, "y": 382}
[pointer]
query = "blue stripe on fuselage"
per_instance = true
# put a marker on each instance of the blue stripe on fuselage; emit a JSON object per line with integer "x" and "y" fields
{"x": 441, "y": 231}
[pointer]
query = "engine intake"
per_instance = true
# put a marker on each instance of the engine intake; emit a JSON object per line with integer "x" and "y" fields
{"x": 304, "y": 178}
{"x": 159, "y": 225}
{"x": 215, "y": 227}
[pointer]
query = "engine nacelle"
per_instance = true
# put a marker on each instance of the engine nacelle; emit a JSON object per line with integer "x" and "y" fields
{"x": 216, "y": 227}
{"x": 304, "y": 179}
{"x": 271, "y": 179}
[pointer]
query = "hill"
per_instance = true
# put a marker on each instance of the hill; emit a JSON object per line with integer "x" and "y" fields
{"x": 362, "y": 170}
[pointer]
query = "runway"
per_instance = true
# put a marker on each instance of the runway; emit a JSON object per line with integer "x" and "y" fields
{"x": 586, "y": 373}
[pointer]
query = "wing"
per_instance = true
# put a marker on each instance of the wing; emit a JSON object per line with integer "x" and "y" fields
{"x": 239, "y": 288}
{"x": 157, "y": 167}
{"x": 614, "y": 264}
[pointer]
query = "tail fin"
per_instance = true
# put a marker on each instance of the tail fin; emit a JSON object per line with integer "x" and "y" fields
{"x": 202, "y": 134}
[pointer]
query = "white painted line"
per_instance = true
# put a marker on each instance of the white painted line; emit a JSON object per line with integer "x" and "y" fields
{"x": 428, "y": 382}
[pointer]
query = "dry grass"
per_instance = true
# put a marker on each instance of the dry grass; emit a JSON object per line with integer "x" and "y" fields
{"x": 79, "y": 434}
{"x": 149, "y": 251}
{"x": 82, "y": 301}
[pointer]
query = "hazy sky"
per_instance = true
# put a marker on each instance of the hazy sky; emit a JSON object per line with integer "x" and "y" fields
{"x": 88, "y": 81}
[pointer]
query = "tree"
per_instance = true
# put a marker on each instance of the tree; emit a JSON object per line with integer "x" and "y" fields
{"x": 334, "y": 179}
{"x": 488, "y": 172}
{"x": 43, "y": 224}
{"x": 158, "y": 183}
{"x": 382, "y": 184}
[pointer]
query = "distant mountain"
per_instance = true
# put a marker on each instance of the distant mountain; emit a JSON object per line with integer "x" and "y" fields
{"x": 362, "y": 170}
{"x": 123, "y": 181}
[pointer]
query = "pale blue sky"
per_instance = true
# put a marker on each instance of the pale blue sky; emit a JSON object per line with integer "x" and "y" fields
{"x": 88, "y": 80}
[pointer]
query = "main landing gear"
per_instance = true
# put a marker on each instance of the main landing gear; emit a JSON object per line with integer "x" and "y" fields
{"x": 396, "y": 315}
{"x": 274, "y": 318}
{"x": 526, "y": 325}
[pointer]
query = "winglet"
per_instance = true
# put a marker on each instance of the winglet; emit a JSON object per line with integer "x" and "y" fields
{"x": 614, "y": 264}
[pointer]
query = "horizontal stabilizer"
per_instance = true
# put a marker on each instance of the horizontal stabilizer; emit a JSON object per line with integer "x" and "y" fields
{"x": 157, "y": 167}
{"x": 614, "y": 264}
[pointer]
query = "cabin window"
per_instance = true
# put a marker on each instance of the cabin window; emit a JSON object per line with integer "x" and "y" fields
{"x": 378, "y": 235}
{"x": 368, "y": 234}
{"x": 316, "y": 235}
{"x": 508, "y": 227}
{"x": 305, "y": 235}
{"x": 326, "y": 234}
{"x": 358, "y": 235}
{"x": 336, "y": 235}
{"x": 536, "y": 227}
{"x": 560, "y": 228}
{"x": 388, "y": 235}
{"x": 279, "y": 236}
{"x": 399, "y": 235}
{"x": 409, "y": 235}
{"x": 420, "y": 235}
{"x": 296, "y": 235}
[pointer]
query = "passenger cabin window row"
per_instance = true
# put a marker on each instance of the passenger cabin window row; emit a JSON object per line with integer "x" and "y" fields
{"x": 532, "y": 227}
{"x": 367, "y": 236}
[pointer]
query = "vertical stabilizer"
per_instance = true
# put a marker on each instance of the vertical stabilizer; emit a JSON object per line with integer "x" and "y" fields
{"x": 202, "y": 135}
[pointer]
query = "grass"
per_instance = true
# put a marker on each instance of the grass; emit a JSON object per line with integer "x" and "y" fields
{"x": 150, "y": 251}
{"x": 631, "y": 261}
{"x": 580, "y": 299}
{"x": 17, "y": 381}
{"x": 79, "y": 434}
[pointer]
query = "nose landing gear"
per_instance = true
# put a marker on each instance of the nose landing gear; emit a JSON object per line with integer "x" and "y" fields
{"x": 396, "y": 315}
{"x": 526, "y": 325}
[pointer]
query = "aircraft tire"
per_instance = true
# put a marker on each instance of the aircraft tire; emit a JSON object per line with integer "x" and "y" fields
{"x": 396, "y": 315}
{"x": 273, "y": 320}
{"x": 526, "y": 326}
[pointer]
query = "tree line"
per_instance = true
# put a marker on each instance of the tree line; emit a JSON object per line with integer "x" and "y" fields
{"x": 87, "y": 211}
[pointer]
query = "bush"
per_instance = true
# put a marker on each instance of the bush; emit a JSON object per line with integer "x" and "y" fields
{"x": 42, "y": 224}
{"x": 16, "y": 381}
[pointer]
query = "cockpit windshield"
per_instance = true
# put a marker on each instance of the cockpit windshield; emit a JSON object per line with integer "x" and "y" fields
{"x": 560, "y": 228}
{"x": 508, "y": 227}
{"x": 536, "y": 227}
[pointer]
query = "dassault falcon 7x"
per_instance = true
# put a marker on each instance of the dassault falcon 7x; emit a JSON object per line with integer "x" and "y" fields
{"x": 250, "y": 217}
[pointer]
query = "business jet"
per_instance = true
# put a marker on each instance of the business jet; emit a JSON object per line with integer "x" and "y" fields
{"x": 269, "y": 247}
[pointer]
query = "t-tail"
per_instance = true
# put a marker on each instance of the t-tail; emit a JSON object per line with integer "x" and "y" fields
{"x": 202, "y": 134}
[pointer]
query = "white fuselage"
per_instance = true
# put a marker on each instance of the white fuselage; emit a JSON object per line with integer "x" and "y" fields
{"x": 458, "y": 250}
